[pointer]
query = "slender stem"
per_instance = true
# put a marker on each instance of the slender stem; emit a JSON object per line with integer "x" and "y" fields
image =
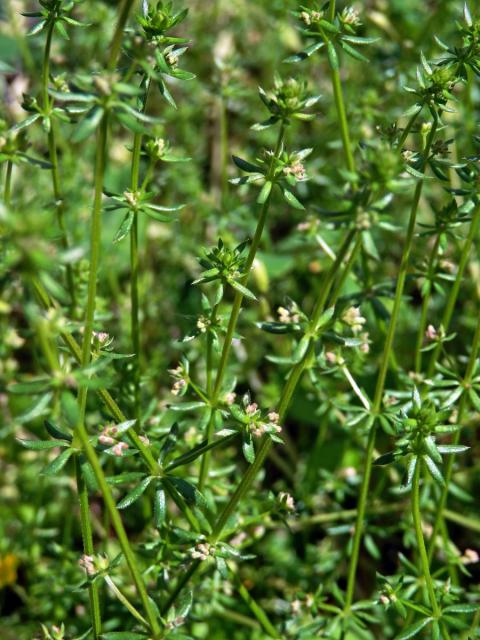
{"x": 420, "y": 540}
{"x": 209, "y": 349}
{"x": 238, "y": 299}
{"x": 235, "y": 312}
{"x": 46, "y": 65}
{"x": 257, "y": 611}
{"x": 358, "y": 392}
{"x": 119, "y": 529}
{"x": 331, "y": 10}
{"x": 105, "y": 396}
{"x": 223, "y": 150}
{"x": 452, "y": 298}
{"x": 407, "y": 130}
{"x": 134, "y": 316}
{"x": 51, "y": 355}
{"x": 95, "y": 242}
{"x": 346, "y": 271}
{"x": 456, "y": 437}
{"x": 425, "y": 302}
{"x": 53, "y": 157}
{"x": 380, "y": 384}
{"x": 192, "y": 569}
{"x": 134, "y": 297}
{"x": 342, "y": 118}
{"x": 116, "y": 43}
{"x": 88, "y": 548}
{"x": 266, "y": 443}
{"x": 285, "y": 397}
{"x": 211, "y": 421}
{"x": 7, "y": 190}
{"x": 124, "y": 600}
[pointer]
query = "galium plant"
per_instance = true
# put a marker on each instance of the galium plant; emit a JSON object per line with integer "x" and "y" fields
{"x": 257, "y": 417}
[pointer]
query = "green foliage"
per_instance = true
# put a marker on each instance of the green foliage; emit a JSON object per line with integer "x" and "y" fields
{"x": 310, "y": 469}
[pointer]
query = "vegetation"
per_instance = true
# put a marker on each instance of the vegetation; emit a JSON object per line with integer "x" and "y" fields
{"x": 239, "y": 372}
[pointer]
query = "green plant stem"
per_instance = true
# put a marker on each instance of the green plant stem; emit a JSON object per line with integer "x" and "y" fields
{"x": 380, "y": 384}
{"x": 105, "y": 396}
{"x": 346, "y": 271}
{"x": 95, "y": 242}
{"x": 331, "y": 11}
{"x": 452, "y": 298}
{"x": 7, "y": 190}
{"x": 209, "y": 349}
{"x": 117, "y": 524}
{"x": 257, "y": 611}
{"x": 124, "y": 600}
{"x": 116, "y": 43}
{"x": 134, "y": 316}
{"x": 407, "y": 130}
{"x": 456, "y": 437}
{"x": 238, "y": 298}
{"x": 235, "y": 312}
{"x": 425, "y": 302}
{"x": 134, "y": 297}
{"x": 417, "y": 521}
{"x": 46, "y": 65}
{"x": 88, "y": 547}
{"x": 134, "y": 306}
{"x": 223, "y": 151}
{"x": 87, "y": 538}
{"x": 342, "y": 118}
{"x": 285, "y": 397}
{"x": 53, "y": 157}
{"x": 266, "y": 443}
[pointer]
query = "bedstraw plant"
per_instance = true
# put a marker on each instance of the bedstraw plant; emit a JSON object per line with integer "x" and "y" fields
{"x": 240, "y": 320}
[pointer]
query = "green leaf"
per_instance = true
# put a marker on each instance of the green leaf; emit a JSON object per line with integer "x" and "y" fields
{"x": 332, "y": 56}
{"x": 413, "y": 629}
{"x": 87, "y": 126}
{"x": 248, "y": 448}
{"x": 278, "y": 327}
{"x": 244, "y": 165}
{"x": 325, "y": 318}
{"x": 56, "y": 432}
{"x": 159, "y": 507}
{"x": 123, "y": 635}
{"x": 239, "y": 287}
{"x": 265, "y": 192}
{"x": 32, "y": 387}
{"x": 432, "y": 450}
{"x": 199, "y": 450}
{"x": 292, "y": 200}
{"x": 452, "y": 448}
{"x": 41, "y": 445}
{"x": 124, "y": 228}
{"x": 25, "y": 123}
{"x": 306, "y": 53}
{"x": 462, "y": 608}
{"x": 191, "y": 495}
{"x": 37, "y": 28}
{"x": 353, "y": 53}
{"x": 434, "y": 470}
{"x": 133, "y": 495}
{"x": 386, "y": 458}
{"x": 183, "y": 603}
{"x": 57, "y": 465}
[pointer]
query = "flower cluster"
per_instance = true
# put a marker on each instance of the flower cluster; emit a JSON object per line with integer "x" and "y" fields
{"x": 93, "y": 564}
{"x": 202, "y": 551}
{"x": 353, "y": 318}
{"x": 254, "y": 419}
{"x": 181, "y": 377}
{"x": 289, "y": 99}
